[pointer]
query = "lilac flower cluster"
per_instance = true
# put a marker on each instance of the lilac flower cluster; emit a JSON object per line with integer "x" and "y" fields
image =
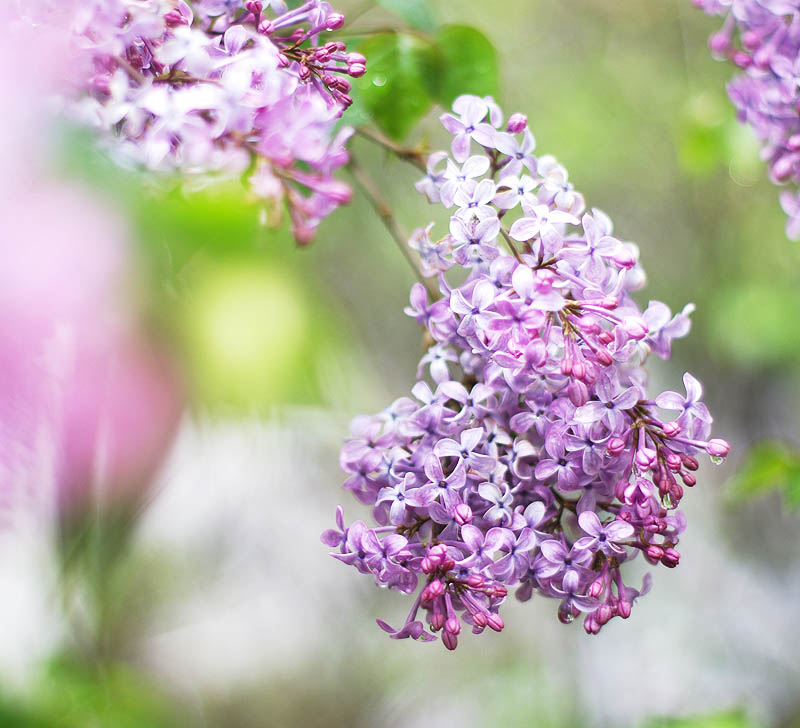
{"x": 219, "y": 87}
{"x": 530, "y": 455}
{"x": 762, "y": 37}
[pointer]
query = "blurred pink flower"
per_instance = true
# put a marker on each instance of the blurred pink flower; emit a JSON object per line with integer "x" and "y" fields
{"x": 86, "y": 397}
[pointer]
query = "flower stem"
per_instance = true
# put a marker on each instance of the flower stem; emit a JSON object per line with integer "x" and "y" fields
{"x": 384, "y": 212}
{"x": 413, "y": 155}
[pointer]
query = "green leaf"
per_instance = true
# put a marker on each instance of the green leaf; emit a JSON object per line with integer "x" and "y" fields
{"x": 396, "y": 88}
{"x": 416, "y": 13}
{"x": 469, "y": 64}
{"x": 770, "y": 466}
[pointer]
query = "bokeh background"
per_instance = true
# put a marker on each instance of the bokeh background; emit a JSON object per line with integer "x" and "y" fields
{"x": 201, "y": 595}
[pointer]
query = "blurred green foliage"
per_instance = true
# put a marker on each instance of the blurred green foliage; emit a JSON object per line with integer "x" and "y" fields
{"x": 735, "y": 719}
{"x": 755, "y": 322}
{"x": 73, "y": 694}
{"x": 236, "y": 299}
{"x": 768, "y": 467}
{"x": 417, "y": 13}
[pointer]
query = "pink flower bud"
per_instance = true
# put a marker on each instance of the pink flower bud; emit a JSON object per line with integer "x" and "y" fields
{"x": 718, "y": 43}
{"x": 356, "y": 70}
{"x": 453, "y": 625}
{"x": 718, "y": 448}
{"x": 782, "y": 167}
{"x": 615, "y": 445}
{"x": 645, "y": 457}
{"x": 673, "y": 460}
{"x": 517, "y": 123}
{"x": 604, "y": 357}
{"x": 671, "y": 429}
{"x": 671, "y": 558}
{"x": 450, "y": 640}
{"x": 334, "y": 21}
{"x": 750, "y": 40}
{"x": 604, "y": 613}
{"x": 463, "y": 514}
{"x": 495, "y": 621}
{"x": 591, "y": 625}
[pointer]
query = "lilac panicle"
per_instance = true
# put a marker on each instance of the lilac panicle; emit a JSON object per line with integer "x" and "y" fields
{"x": 532, "y": 458}
{"x": 216, "y": 88}
{"x": 762, "y": 38}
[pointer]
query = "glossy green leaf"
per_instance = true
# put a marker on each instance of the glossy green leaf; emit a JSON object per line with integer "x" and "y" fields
{"x": 396, "y": 89}
{"x": 468, "y": 64}
{"x": 770, "y": 466}
{"x": 416, "y": 13}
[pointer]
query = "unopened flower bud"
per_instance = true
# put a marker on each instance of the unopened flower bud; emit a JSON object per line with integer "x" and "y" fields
{"x": 334, "y": 21}
{"x": 517, "y": 123}
{"x": 615, "y": 445}
{"x": 495, "y": 621}
{"x": 671, "y": 429}
{"x": 718, "y": 448}
{"x": 453, "y": 625}
{"x": 463, "y": 514}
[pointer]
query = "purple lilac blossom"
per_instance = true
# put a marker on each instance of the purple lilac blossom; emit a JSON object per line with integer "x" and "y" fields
{"x": 532, "y": 457}
{"x": 762, "y": 38}
{"x": 216, "y": 89}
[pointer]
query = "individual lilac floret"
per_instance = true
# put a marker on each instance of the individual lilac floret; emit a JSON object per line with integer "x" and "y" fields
{"x": 760, "y": 37}
{"x": 531, "y": 455}
{"x": 217, "y": 89}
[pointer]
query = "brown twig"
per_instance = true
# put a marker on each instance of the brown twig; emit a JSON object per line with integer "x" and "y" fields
{"x": 412, "y": 155}
{"x": 384, "y": 212}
